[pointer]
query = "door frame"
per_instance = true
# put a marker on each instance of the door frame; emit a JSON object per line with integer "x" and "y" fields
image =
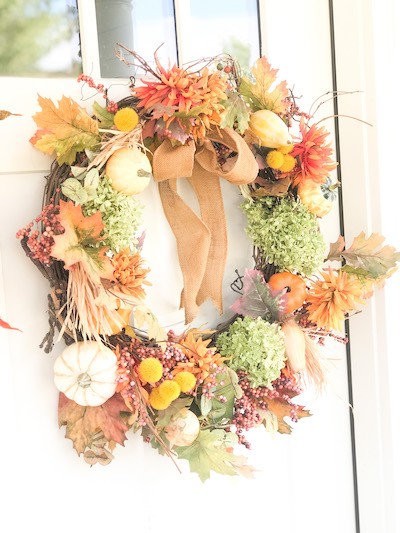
{"x": 355, "y": 45}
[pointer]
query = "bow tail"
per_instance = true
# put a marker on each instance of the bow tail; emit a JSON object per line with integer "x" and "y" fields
{"x": 193, "y": 239}
{"x": 209, "y": 195}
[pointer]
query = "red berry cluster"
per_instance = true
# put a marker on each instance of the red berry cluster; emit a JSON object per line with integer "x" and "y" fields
{"x": 223, "y": 152}
{"x": 40, "y": 240}
{"x": 112, "y": 107}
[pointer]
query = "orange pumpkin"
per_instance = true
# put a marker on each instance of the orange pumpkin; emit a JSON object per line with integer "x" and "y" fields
{"x": 295, "y": 286}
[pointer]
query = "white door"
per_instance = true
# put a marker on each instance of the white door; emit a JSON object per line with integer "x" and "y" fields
{"x": 304, "y": 482}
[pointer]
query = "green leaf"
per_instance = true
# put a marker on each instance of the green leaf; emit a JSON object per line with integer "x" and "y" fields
{"x": 73, "y": 189}
{"x": 206, "y": 454}
{"x": 360, "y": 273}
{"x": 206, "y": 404}
{"x": 66, "y": 149}
{"x": 92, "y": 178}
{"x": 105, "y": 118}
{"x": 236, "y": 111}
{"x": 235, "y": 383}
{"x": 228, "y": 386}
{"x": 164, "y": 416}
{"x": 369, "y": 254}
{"x": 78, "y": 172}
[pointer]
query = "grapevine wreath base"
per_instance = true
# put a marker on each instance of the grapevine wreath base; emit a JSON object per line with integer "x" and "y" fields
{"x": 195, "y": 394}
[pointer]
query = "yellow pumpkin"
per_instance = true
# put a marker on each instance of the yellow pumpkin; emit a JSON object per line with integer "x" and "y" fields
{"x": 129, "y": 171}
{"x": 269, "y": 128}
{"x": 311, "y": 196}
{"x": 86, "y": 373}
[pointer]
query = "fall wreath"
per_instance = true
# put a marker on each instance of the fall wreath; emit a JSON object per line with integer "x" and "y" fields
{"x": 192, "y": 395}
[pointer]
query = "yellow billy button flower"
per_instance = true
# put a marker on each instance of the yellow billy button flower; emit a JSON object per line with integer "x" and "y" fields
{"x": 186, "y": 381}
{"x": 169, "y": 390}
{"x": 156, "y": 401}
{"x": 289, "y": 162}
{"x": 286, "y": 149}
{"x": 275, "y": 159}
{"x": 150, "y": 370}
{"x": 126, "y": 119}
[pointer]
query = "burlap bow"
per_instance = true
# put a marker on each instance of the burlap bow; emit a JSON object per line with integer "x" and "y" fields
{"x": 201, "y": 242}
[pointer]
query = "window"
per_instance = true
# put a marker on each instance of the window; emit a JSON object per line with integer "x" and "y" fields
{"x": 39, "y": 38}
{"x": 181, "y": 29}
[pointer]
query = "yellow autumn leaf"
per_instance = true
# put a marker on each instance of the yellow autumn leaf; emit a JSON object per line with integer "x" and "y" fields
{"x": 261, "y": 92}
{"x": 145, "y": 319}
{"x": 5, "y": 114}
{"x": 65, "y": 130}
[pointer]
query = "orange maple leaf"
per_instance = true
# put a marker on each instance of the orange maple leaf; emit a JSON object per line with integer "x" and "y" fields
{"x": 80, "y": 242}
{"x": 283, "y": 409}
{"x": 83, "y": 423}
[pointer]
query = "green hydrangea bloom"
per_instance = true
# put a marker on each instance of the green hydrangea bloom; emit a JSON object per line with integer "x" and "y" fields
{"x": 287, "y": 234}
{"x": 121, "y": 215}
{"x": 255, "y": 346}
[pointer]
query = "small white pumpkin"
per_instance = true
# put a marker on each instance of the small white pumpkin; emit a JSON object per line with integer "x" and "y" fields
{"x": 86, "y": 373}
{"x": 129, "y": 171}
{"x": 183, "y": 428}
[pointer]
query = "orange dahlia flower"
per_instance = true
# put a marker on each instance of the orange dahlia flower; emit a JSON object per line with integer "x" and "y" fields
{"x": 332, "y": 297}
{"x": 314, "y": 154}
{"x": 191, "y": 99}
{"x": 203, "y": 361}
{"x": 130, "y": 274}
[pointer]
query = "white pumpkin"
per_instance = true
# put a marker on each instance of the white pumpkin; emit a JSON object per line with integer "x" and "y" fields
{"x": 183, "y": 428}
{"x": 86, "y": 373}
{"x": 129, "y": 170}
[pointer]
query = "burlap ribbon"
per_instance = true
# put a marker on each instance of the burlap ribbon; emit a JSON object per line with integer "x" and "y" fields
{"x": 201, "y": 241}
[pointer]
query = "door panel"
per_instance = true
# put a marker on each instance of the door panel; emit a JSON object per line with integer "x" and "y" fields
{"x": 304, "y": 481}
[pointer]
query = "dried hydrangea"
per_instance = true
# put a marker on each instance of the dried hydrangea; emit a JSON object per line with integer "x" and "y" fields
{"x": 287, "y": 234}
{"x": 256, "y": 347}
{"x": 121, "y": 215}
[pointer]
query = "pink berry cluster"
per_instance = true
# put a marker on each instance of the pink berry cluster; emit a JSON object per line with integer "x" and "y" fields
{"x": 126, "y": 379}
{"x": 245, "y": 417}
{"x": 112, "y": 107}
{"x": 40, "y": 239}
{"x": 246, "y": 414}
{"x": 318, "y": 334}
